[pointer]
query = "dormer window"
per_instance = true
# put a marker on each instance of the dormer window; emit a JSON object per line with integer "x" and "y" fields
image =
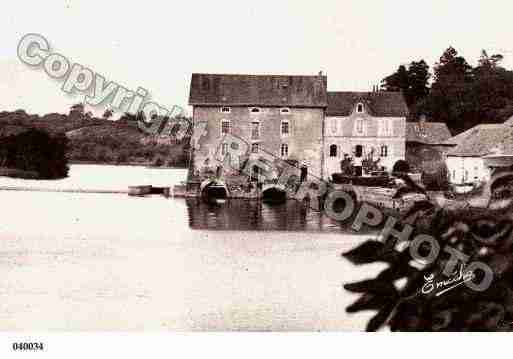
{"x": 285, "y": 111}
{"x": 359, "y": 107}
{"x": 254, "y": 110}
{"x": 226, "y": 109}
{"x": 386, "y": 127}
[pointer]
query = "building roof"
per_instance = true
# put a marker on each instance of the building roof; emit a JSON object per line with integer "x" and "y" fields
{"x": 388, "y": 104}
{"x": 509, "y": 121}
{"x": 482, "y": 140}
{"x": 258, "y": 90}
{"x": 430, "y": 133}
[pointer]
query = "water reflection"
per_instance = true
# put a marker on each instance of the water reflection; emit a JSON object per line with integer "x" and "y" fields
{"x": 239, "y": 214}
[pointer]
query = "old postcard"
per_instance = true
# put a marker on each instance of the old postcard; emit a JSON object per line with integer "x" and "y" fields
{"x": 276, "y": 166}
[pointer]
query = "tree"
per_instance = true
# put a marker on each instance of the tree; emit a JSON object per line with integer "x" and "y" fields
{"x": 398, "y": 81}
{"x": 462, "y": 96}
{"x": 450, "y": 100}
{"x": 418, "y": 75}
{"x": 436, "y": 180}
{"x": 401, "y": 166}
{"x": 36, "y": 150}
{"x": 490, "y": 62}
{"x": 492, "y": 90}
{"x": 412, "y": 81}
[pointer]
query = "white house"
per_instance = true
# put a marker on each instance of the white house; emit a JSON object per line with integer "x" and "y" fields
{"x": 362, "y": 124}
{"x": 466, "y": 161}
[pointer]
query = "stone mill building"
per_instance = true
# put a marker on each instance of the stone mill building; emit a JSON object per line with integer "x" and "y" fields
{"x": 295, "y": 119}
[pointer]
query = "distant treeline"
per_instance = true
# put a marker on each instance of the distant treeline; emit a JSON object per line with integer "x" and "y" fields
{"x": 460, "y": 95}
{"x": 98, "y": 140}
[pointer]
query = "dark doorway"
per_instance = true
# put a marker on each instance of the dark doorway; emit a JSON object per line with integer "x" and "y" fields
{"x": 358, "y": 151}
{"x": 254, "y": 173}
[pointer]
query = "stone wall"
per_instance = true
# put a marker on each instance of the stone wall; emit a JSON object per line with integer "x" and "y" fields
{"x": 304, "y": 140}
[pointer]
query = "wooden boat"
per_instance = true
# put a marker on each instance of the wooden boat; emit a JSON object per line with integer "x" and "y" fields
{"x": 374, "y": 181}
{"x": 165, "y": 191}
{"x": 139, "y": 190}
{"x": 214, "y": 191}
{"x": 386, "y": 192}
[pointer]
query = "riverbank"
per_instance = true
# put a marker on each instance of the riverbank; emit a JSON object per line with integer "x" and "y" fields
{"x": 99, "y": 179}
{"x": 57, "y": 190}
{"x": 17, "y": 173}
{"x": 132, "y": 164}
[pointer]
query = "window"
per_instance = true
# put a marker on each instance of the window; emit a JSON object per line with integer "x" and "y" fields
{"x": 284, "y": 150}
{"x": 386, "y": 127}
{"x": 359, "y": 108}
{"x": 226, "y": 110}
{"x": 421, "y": 131}
{"x": 334, "y": 126}
{"x": 359, "y": 126}
{"x": 285, "y": 129}
{"x": 333, "y": 151}
{"x": 224, "y": 149}
{"x": 225, "y": 127}
{"x": 390, "y": 127}
{"x": 384, "y": 151}
{"x": 254, "y": 110}
{"x": 254, "y": 147}
{"x": 285, "y": 111}
{"x": 255, "y": 130}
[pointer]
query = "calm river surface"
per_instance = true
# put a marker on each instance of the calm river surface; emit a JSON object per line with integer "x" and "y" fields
{"x": 77, "y": 261}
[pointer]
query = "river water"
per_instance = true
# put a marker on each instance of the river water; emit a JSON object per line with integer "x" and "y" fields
{"x": 78, "y": 261}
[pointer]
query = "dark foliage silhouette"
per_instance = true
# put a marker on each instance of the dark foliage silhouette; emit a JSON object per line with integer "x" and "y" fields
{"x": 482, "y": 232}
{"x": 36, "y": 150}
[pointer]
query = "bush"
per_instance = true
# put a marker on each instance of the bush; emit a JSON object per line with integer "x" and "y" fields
{"x": 36, "y": 150}
{"x": 437, "y": 180}
{"x": 121, "y": 158}
{"x": 401, "y": 166}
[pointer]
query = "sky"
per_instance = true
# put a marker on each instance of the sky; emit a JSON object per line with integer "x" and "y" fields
{"x": 157, "y": 45}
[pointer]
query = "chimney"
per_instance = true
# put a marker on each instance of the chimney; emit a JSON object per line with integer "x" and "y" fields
{"x": 320, "y": 73}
